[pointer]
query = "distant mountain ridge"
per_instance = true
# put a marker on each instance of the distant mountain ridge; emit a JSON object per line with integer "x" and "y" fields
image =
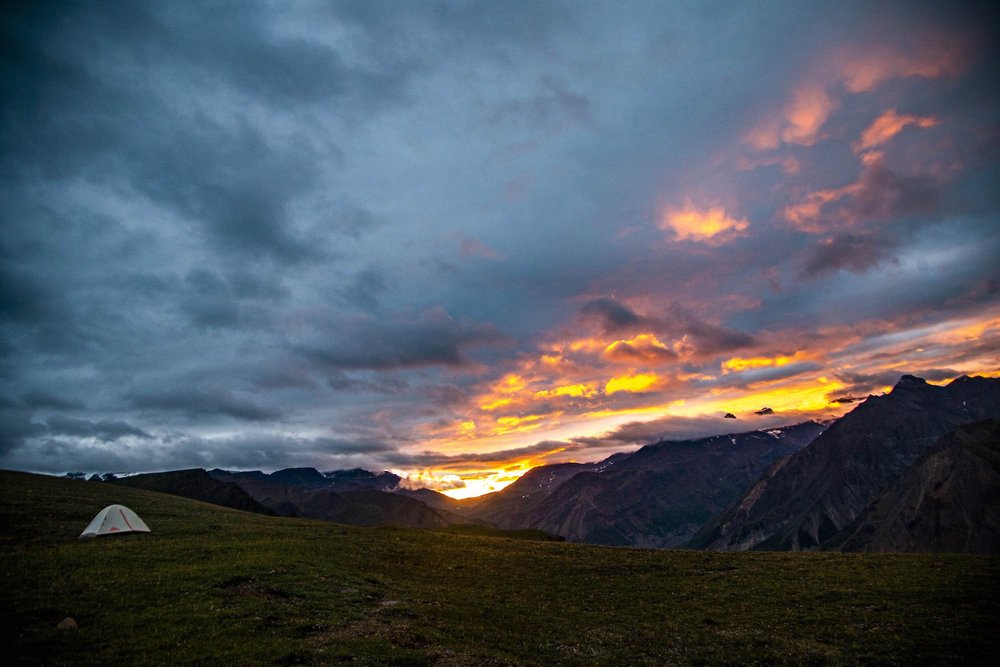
{"x": 658, "y": 496}
{"x": 353, "y": 497}
{"x": 197, "y": 484}
{"x": 806, "y": 501}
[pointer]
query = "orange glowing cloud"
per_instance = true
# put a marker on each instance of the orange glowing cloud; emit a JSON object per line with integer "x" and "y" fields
{"x": 737, "y": 364}
{"x": 864, "y": 71}
{"x": 805, "y": 215}
{"x": 645, "y": 348}
{"x": 888, "y": 125}
{"x": 800, "y": 122}
{"x": 712, "y": 226}
{"x": 805, "y": 116}
{"x": 812, "y": 102}
{"x": 635, "y": 383}
{"x": 571, "y": 390}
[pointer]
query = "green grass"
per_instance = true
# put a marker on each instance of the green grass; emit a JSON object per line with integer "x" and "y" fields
{"x": 217, "y": 586}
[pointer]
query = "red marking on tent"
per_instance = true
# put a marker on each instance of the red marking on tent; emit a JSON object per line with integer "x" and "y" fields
{"x": 125, "y": 519}
{"x": 113, "y": 529}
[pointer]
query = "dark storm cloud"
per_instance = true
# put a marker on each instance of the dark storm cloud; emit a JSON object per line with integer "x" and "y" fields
{"x": 21, "y": 298}
{"x": 853, "y": 252}
{"x": 206, "y": 403}
{"x": 448, "y": 395}
{"x": 432, "y": 338}
{"x": 79, "y": 105}
{"x": 42, "y": 399}
{"x": 884, "y": 193}
{"x": 615, "y": 318}
{"x": 104, "y": 430}
{"x": 18, "y": 428}
{"x": 57, "y": 453}
{"x": 240, "y": 300}
{"x": 552, "y": 107}
{"x": 365, "y": 289}
{"x": 708, "y": 338}
{"x": 378, "y": 384}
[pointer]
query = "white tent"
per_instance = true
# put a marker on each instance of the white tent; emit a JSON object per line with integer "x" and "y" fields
{"x": 115, "y": 519}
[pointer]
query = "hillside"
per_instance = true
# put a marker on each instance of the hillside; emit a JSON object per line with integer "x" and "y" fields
{"x": 305, "y": 492}
{"x": 826, "y": 486}
{"x": 211, "y": 585}
{"x": 949, "y": 502}
{"x": 196, "y": 484}
{"x": 658, "y": 496}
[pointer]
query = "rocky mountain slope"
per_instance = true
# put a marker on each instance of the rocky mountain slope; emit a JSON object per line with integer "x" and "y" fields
{"x": 658, "y": 496}
{"x": 948, "y": 502}
{"x": 807, "y": 500}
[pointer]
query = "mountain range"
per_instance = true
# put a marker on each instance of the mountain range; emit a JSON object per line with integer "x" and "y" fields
{"x": 657, "y": 496}
{"x": 806, "y": 501}
{"x": 916, "y": 469}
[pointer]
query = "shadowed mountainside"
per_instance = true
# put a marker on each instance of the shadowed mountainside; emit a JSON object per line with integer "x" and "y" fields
{"x": 196, "y": 484}
{"x": 305, "y": 492}
{"x": 948, "y": 502}
{"x": 805, "y": 501}
{"x": 658, "y": 496}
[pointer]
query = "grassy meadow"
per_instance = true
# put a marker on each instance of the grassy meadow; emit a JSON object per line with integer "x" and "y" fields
{"x": 212, "y": 585}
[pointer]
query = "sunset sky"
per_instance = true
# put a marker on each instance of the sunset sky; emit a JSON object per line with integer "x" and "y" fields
{"x": 459, "y": 239}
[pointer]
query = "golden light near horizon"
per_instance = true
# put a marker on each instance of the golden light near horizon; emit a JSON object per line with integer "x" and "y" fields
{"x": 577, "y": 388}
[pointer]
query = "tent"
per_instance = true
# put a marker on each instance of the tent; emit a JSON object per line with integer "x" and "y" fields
{"x": 115, "y": 519}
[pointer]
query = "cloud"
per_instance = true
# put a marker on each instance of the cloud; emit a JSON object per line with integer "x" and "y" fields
{"x": 699, "y": 337}
{"x": 366, "y": 288}
{"x": 930, "y": 55}
{"x": 475, "y": 248}
{"x": 503, "y": 456}
{"x": 379, "y": 384}
{"x": 853, "y": 252}
{"x": 103, "y": 430}
{"x": 712, "y": 226}
{"x": 805, "y": 116}
{"x": 431, "y": 338}
{"x": 880, "y": 194}
{"x": 888, "y": 125}
{"x": 644, "y": 348}
{"x": 269, "y": 451}
{"x": 552, "y": 106}
{"x": 612, "y": 316}
{"x": 684, "y": 428}
{"x": 42, "y": 399}
{"x": 635, "y": 383}
{"x": 206, "y": 403}
{"x": 853, "y": 71}
{"x": 692, "y": 335}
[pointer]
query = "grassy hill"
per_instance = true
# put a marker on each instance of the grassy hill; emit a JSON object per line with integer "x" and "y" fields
{"x": 213, "y": 585}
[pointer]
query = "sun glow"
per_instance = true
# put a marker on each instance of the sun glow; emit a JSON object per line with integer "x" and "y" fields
{"x": 561, "y": 404}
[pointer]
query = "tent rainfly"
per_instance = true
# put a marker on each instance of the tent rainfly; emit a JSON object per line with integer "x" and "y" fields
{"x": 115, "y": 519}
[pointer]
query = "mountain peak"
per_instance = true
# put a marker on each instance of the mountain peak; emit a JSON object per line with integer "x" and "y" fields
{"x": 910, "y": 381}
